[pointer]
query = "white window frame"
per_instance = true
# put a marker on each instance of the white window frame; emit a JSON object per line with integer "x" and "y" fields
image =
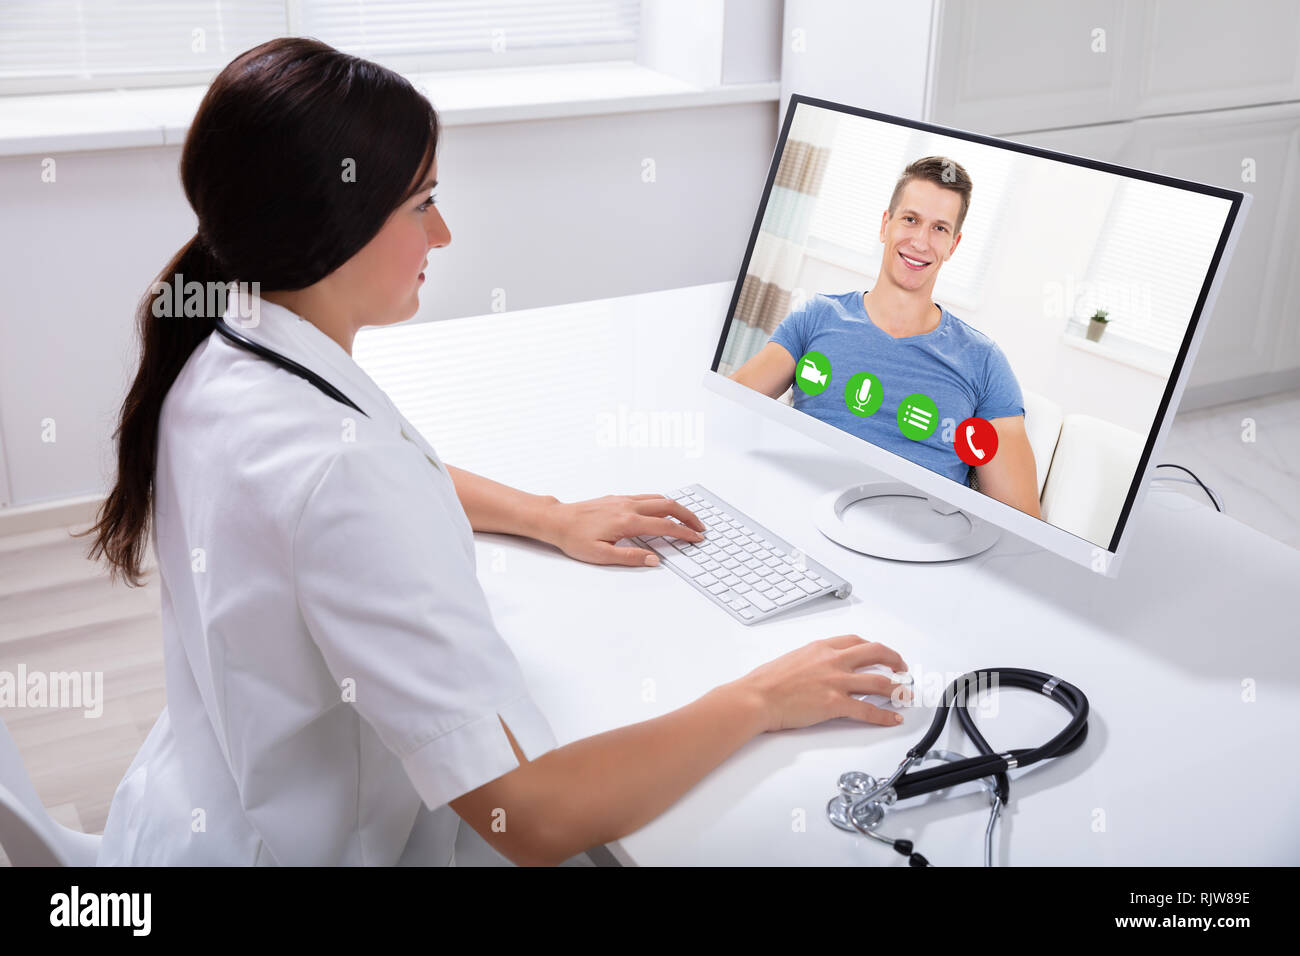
{"x": 405, "y": 64}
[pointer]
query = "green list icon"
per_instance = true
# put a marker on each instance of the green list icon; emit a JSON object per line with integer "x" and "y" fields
{"x": 863, "y": 394}
{"x": 918, "y": 417}
{"x": 813, "y": 373}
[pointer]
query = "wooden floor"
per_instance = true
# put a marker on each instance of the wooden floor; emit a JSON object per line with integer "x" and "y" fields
{"x": 58, "y": 612}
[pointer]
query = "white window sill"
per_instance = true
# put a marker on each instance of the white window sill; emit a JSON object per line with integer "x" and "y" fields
{"x": 121, "y": 119}
{"x": 1132, "y": 357}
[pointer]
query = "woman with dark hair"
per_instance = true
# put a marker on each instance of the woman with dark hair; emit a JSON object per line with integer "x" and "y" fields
{"x": 336, "y": 689}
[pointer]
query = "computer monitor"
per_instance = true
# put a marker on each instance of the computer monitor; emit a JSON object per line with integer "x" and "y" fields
{"x": 1003, "y": 330}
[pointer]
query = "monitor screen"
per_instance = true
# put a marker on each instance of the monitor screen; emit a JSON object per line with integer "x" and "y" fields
{"x": 1010, "y": 318}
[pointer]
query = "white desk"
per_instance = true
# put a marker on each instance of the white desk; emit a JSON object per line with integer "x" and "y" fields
{"x": 1177, "y": 768}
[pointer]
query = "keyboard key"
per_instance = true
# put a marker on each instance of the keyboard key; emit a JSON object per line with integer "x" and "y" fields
{"x": 743, "y": 569}
{"x": 677, "y": 559}
{"x": 689, "y": 567}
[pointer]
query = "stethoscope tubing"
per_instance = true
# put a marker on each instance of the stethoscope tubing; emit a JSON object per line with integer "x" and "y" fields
{"x": 288, "y": 364}
{"x": 990, "y": 762}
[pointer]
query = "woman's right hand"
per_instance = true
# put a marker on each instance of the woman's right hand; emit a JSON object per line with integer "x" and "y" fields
{"x": 814, "y": 683}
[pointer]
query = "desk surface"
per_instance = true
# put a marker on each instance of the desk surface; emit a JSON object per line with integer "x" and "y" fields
{"x": 1189, "y": 657}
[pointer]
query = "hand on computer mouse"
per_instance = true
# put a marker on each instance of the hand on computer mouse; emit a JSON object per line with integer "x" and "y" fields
{"x": 818, "y": 681}
{"x": 900, "y": 694}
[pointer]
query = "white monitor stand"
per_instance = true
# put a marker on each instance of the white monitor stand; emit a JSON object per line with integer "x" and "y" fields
{"x": 894, "y": 520}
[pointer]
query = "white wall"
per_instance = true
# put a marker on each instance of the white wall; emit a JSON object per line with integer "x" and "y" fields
{"x": 861, "y": 54}
{"x": 551, "y": 211}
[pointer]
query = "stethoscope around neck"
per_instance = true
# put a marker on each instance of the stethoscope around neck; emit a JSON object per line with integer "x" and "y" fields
{"x": 861, "y": 803}
{"x": 288, "y": 364}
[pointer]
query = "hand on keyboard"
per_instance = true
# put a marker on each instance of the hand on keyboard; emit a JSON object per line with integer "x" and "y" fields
{"x": 588, "y": 530}
{"x": 741, "y": 566}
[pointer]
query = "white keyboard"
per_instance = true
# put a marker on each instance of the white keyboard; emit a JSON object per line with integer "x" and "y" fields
{"x": 741, "y": 566}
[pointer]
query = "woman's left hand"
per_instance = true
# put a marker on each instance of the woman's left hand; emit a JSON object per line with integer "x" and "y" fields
{"x": 588, "y": 530}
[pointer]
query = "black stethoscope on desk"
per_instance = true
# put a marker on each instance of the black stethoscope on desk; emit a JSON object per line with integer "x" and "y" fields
{"x": 862, "y": 800}
{"x": 288, "y": 364}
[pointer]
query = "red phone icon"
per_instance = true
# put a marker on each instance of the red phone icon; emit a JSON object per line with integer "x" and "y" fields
{"x": 976, "y": 441}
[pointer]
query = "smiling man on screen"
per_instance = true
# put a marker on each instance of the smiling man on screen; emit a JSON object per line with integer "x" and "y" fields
{"x": 895, "y": 332}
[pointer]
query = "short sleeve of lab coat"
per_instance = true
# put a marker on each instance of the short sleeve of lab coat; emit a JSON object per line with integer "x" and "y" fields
{"x": 393, "y": 602}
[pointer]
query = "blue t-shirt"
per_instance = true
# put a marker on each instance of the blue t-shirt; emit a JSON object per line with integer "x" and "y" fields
{"x": 962, "y": 370}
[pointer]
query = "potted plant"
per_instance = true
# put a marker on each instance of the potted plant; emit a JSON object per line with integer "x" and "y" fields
{"x": 1097, "y": 325}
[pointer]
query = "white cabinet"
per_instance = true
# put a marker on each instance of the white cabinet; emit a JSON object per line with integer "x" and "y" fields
{"x": 1255, "y": 327}
{"x": 1251, "y": 324}
{"x": 1213, "y": 54}
{"x": 1195, "y": 89}
{"x": 1008, "y": 65}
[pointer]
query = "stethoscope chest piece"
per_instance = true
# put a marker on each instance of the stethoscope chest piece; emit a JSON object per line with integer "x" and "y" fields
{"x": 848, "y": 810}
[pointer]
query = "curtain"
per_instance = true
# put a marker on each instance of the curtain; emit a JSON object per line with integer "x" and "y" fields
{"x": 777, "y": 260}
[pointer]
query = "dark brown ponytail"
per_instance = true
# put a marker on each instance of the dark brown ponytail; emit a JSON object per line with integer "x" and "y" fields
{"x": 263, "y": 168}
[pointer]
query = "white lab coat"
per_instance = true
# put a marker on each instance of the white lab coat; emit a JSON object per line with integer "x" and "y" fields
{"x": 333, "y": 672}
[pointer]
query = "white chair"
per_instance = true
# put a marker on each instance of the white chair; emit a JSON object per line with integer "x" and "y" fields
{"x": 29, "y": 836}
{"x": 1090, "y": 476}
{"x": 1043, "y": 427}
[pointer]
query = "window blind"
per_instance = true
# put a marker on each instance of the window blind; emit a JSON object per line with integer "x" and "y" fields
{"x": 1150, "y": 262}
{"x": 108, "y": 40}
{"x": 49, "y": 45}
{"x": 374, "y": 29}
